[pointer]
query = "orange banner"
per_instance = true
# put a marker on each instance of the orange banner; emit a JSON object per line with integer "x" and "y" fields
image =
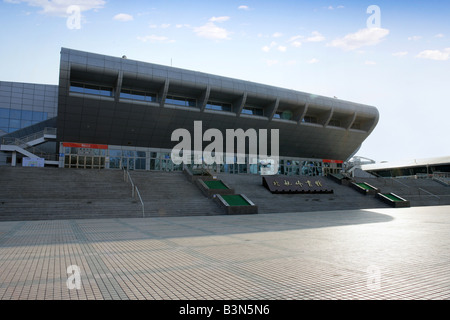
{"x": 332, "y": 161}
{"x": 85, "y": 145}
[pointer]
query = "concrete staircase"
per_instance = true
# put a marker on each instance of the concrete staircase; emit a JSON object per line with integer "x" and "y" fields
{"x": 343, "y": 198}
{"x": 420, "y": 192}
{"x": 52, "y": 193}
{"x": 171, "y": 194}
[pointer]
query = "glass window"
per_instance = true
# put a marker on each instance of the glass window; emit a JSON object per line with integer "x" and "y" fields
{"x": 140, "y": 163}
{"x": 218, "y": 106}
{"x": 25, "y": 123}
{"x": 13, "y": 123}
{"x": 115, "y": 153}
{"x": 309, "y": 119}
{"x": 114, "y": 162}
{"x": 76, "y": 88}
{"x": 37, "y": 116}
{"x": 27, "y": 115}
{"x": 154, "y": 164}
{"x": 253, "y": 110}
{"x": 15, "y": 114}
{"x": 287, "y": 115}
{"x": 356, "y": 125}
{"x": 129, "y": 153}
{"x": 141, "y": 154}
{"x": 334, "y": 123}
{"x": 4, "y": 113}
{"x": 181, "y": 101}
{"x": 91, "y": 89}
{"x": 138, "y": 95}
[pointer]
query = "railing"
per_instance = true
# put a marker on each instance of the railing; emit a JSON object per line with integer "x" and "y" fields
{"x": 23, "y": 143}
{"x": 442, "y": 177}
{"x": 428, "y": 192}
{"x": 31, "y": 137}
{"x": 134, "y": 189}
{"x": 40, "y": 134}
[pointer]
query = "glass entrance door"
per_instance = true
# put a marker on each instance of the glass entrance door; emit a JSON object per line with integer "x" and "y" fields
{"x": 128, "y": 163}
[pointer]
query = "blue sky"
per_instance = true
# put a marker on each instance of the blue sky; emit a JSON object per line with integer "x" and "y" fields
{"x": 401, "y": 65}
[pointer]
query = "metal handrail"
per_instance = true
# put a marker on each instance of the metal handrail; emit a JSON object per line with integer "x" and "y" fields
{"x": 31, "y": 137}
{"x": 142, "y": 202}
{"x": 134, "y": 189}
{"x": 23, "y": 143}
{"x": 431, "y": 194}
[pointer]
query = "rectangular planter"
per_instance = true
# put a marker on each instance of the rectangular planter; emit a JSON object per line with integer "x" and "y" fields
{"x": 339, "y": 178}
{"x": 236, "y": 204}
{"x": 194, "y": 175}
{"x": 394, "y": 200}
{"x": 211, "y": 187}
{"x": 365, "y": 188}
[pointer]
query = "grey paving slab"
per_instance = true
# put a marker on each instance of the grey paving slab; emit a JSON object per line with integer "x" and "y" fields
{"x": 383, "y": 253}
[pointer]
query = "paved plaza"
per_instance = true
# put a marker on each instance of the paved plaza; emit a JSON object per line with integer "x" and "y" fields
{"x": 359, "y": 254}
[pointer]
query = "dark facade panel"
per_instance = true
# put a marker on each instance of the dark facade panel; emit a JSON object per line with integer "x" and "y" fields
{"x": 313, "y": 126}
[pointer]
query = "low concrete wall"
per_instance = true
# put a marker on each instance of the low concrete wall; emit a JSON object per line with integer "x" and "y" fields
{"x": 364, "y": 191}
{"x": 250, "y": 209}
{"x": 192, "y": 176}
{"x": 396, "y": 204}
{"x": 211, "y": 192}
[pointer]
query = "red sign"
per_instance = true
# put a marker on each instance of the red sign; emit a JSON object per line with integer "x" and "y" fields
{"x": 332, "y": 161}
{"x": 85, "y": 145}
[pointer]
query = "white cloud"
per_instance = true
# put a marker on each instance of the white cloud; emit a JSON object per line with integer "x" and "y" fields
{"x": 277, "y": 35}
{"x": 400, "y": 54}
{"x": 439, "y": 35}
{"x": 293, "y": 38}
{"x": 313, "y": 60}
{"x": 219, "y": 19}
{"x": 370, "y": 63}
{"x": 435, "y": 54}
{"x": 270, "y": 46}
{"x": 59, "y": 7}
{"x": 243, "y": 7}
{"x": 212, "y": 31}
{"x": 361, "y": 38}
{"x": 155, "y": 38}
{"x": 295, "y": 41}
{"x": 414, "y": 38}
{"x": 123, "y": 17}
{"x": 282, "y": 48}
{"x": 316, "y": 37}
{"x": 332, "y": 8}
